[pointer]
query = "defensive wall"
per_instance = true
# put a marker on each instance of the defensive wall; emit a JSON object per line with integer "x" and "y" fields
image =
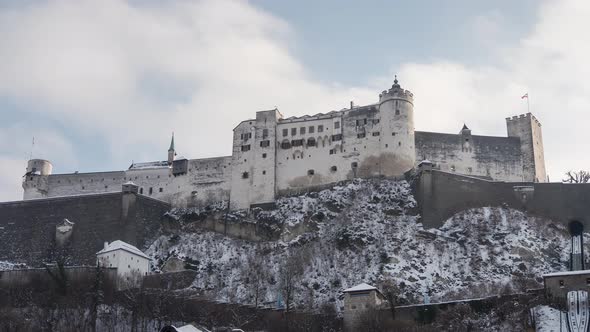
{"x": 36, "y": 231}
{"x": 441, "y": 195}
{"x": 27, "y": 278}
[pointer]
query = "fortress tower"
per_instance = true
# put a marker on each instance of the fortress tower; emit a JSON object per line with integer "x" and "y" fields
{"x": 528, "y": 129}
{"x": 253, "y": 178}
{"x": 35, "y": 179}
{"x": 396, "y": 108}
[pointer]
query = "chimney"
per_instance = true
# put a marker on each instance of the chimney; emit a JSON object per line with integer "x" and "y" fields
{"x": 106, "y": 244}
{"x": 351, "y": 104}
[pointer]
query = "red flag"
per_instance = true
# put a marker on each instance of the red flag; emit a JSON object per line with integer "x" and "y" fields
{"x": 526, "y": 95}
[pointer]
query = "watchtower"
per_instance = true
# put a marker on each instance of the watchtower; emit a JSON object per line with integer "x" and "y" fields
{"x": 396, "y": 108}
{"x": 528, "y": 129}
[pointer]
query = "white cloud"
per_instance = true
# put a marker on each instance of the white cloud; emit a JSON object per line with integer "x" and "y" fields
{"x": 10, "y": 183}
{"x": 550, "y": 64}
{"x": 134, "y": 73}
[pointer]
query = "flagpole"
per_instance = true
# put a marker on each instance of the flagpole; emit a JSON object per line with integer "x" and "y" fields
{"x": 32, "y": 147}
{"x": 528, "y": 105}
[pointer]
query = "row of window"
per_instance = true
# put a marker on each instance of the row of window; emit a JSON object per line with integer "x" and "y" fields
{"x": 151, "y": 190}
{"x": 363, "y": 135}
{"x": 310, "y": 172}
{"x": 247, "y": 136}
{"x": 362, "y": 122}
{"x": 309, "y": 130}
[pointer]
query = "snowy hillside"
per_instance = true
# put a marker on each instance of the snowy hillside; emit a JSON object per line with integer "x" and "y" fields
{"x": 365, "y": 231}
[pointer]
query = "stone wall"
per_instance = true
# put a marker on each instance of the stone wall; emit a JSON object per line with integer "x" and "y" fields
{"x": 497, "y": 158}
{"x": 441, "y": 195}
{"x": 28, "y": 228}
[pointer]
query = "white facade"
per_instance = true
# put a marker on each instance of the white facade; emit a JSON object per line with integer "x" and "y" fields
{"x": 130, "y": 262}
{"x": 275, "y": 156}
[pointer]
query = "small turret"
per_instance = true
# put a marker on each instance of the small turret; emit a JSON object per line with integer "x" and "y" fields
{"x": 171, "y": 151}
{"x": 465, "y": 131}
{"x": 39, "y": 167}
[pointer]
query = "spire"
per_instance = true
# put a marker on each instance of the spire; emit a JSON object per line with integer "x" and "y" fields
{"x": 395, "y": 80}
{"x": 465, "y": 127}
{"x": 172, "y": 143}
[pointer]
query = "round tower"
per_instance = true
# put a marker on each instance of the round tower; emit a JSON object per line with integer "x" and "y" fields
{"x": 396, "y": 107}
{"x": 35, "y": 179}
{"x": 39, "y": 167}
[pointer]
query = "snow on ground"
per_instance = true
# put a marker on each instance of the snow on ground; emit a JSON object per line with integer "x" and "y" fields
{"x": 549, "y": 319}
{"x": 5, "y": 266}
{"x": 368, "y": 230}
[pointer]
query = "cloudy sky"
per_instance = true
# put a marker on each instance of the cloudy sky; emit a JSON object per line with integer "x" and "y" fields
{"x": 102, "y": 83}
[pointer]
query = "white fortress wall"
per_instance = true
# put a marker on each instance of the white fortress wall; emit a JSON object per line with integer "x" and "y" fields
{"x": 309, "y": 152}
{"x": 206, "y": 181}
{"x": 272, "y": 156}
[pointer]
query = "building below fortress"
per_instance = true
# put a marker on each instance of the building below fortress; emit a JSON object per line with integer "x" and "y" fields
{"x": 274, "y": 156}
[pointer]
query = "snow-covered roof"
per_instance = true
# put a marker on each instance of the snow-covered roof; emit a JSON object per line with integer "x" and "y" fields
{"x": 149, "y": 165}
{"x": 188, "y": 328}
{"x": 566, "y": 273}
{"x": 360, "y": 288}
{"x": 120, "y": 245}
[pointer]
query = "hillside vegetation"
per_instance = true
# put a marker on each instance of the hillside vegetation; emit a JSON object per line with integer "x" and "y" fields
{"x": 364, "y": 231}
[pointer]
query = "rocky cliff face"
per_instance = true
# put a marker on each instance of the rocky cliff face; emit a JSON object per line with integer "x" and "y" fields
{"x": 364, "y": 231}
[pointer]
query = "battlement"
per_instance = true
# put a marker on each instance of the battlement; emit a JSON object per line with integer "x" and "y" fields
{"x": 521, "y": 117}
{"x": 396, "y": 92}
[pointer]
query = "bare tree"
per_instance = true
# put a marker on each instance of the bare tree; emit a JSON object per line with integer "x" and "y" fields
{"x": 577, "y": 177}
{"x": 257, "y": 276}
{"x": 391, "y": 291}
{"x": 290, "y": 274}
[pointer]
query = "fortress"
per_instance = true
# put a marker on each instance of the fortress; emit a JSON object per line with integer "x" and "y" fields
{"x": 274, "y": 156}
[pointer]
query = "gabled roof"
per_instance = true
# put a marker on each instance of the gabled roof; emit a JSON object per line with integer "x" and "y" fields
{"x": 120, "y": 245}
{"x": 360, "y": 288}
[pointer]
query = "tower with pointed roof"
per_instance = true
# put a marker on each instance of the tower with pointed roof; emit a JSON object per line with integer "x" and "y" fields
{"x": 171, "y": 151}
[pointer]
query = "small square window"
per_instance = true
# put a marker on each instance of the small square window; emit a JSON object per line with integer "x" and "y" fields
{"x": 264, "y": 155}
{"x": 376, "y": 133}
{"x": 161, "y": 189}
{"x": 337, "y": 125}
{"x": 311, "y": 129}
{"x": 561, "y": 283}
{"x": 264, "y": 133}
{"x": 333, "y": 169}
{"x": 320, "y": 128}
{"x": 285, "y": 132}
{"x": 293, "y": 131}
{"x": 302, "y": 131}
{"x": 396, "y": 112}
{"x": 245, "y": 148}
{"x": 263, "y": 172}
{"x": 310, "y": 172}
{"x": 245, "y": 175}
